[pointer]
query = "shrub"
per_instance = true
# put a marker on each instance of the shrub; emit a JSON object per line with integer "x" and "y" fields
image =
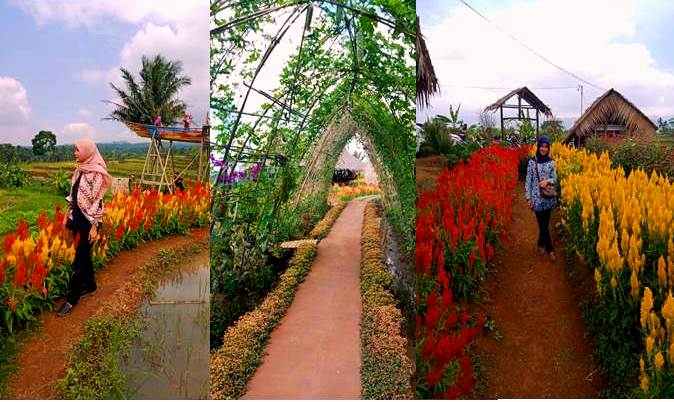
{"x": 12, "y": 175}
{"x": 386, "y": 369}
{"x": 648, "y": 153}
{"x": 61, "y": 182}
{"x": 232, "y": 365}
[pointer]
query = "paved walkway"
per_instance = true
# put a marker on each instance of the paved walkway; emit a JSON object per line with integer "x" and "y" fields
{"x": 314, "y": 353}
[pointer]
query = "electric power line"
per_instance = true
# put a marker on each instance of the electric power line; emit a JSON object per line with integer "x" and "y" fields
{"x": 545, "y": 59}
{"x": 506, "y": 88}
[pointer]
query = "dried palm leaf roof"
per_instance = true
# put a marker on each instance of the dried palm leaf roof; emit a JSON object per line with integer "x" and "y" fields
{"x": 611, "y": 108}
{"x": 526, "y": 94}
{"x": 427, "y": 82}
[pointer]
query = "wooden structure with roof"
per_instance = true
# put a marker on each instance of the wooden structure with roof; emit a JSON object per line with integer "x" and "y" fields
{"x": 527, "y": 102}
{"x": 158, "y": 169}
{"x": 610, "y": 116}
{"x": 347, "y": 167}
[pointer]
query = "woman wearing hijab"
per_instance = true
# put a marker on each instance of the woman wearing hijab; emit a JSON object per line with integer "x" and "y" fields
{"x": 539, "y": 191}
{"x": 90, "y": 181}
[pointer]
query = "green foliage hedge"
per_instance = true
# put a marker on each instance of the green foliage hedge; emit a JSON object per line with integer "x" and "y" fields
{"x": 648, "y": 153}
{"x": 11, "y": 175}
{"x": 232, "y": 365}
{"x": 386, "y": 371}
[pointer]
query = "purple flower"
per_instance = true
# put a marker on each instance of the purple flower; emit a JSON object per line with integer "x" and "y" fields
{"x": 234, "y": 177}
{"x": 215, "y": 162}
{"x": 255, "y": 170}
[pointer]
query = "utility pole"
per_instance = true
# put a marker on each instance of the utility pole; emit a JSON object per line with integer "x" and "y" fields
{"x": 580, "y": 88}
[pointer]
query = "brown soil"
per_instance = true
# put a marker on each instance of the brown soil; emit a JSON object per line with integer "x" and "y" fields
{"x": 314, "y": 353}
{"x": 540, "y": 349}
{"x": 427, "y": 170}
{"x": 42, "y": 358}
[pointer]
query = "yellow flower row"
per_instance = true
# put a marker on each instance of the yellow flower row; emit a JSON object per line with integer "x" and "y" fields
{"x": 635, "y": 216}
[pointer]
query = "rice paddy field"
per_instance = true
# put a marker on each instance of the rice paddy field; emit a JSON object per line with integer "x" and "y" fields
{"x": 124, "y": 168}
{"x": 40, "y": 194}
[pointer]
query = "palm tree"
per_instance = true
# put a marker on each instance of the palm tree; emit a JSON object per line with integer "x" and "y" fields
{"x": 155, "y": 94}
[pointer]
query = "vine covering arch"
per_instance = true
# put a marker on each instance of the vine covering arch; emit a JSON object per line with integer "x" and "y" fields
{"x": 350, "y": 64}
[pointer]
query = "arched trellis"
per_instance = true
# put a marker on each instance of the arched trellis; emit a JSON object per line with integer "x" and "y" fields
{"x": 314, "y": 99}
{"x": 354, "y": 60}
{"x": 323, "y": 155}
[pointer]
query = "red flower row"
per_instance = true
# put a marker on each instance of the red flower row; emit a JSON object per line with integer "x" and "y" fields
{"x": 465, "y": 213}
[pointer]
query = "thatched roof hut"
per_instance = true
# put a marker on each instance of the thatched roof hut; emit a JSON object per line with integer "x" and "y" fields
{"x": 612, "y": 116}
{"x": 523, "y": 93}
{"x": 531, "y": 103}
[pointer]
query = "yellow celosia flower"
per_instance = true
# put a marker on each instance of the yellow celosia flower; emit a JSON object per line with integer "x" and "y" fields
{"x": 659, "y": 361}
{"x": 646, "y": 306}
{"x": 650, "y": 342}
{"x": 668, "y": 308}
{"x": 662, "y": 272}
{"x": 643, "y": 382}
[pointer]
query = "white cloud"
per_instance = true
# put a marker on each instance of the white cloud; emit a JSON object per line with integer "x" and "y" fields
{"x": 177, "y": 31}
{"x": 89, "y": 13}
{"x": 84, "y": 112}
{"x": 14, "y": 106}
{"x": 188, "y": 42}
{"x": 467, "y": 52}
{"x": 75, "y": 131}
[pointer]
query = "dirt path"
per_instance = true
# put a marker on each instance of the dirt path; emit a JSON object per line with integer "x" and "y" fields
{"x": 314, "y": 353}
{"x": 543, "y": 351}
{"x": 42, "y": 358}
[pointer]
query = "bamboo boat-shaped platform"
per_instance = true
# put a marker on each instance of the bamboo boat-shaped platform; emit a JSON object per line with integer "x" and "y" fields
{"x": 194, "y": 135}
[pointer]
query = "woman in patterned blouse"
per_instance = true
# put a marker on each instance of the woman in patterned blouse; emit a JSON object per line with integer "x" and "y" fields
{"x": 541, "y": 173}
{"x": 90, "y": 181}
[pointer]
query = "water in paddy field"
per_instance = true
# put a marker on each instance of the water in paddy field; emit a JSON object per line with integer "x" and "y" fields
{"x": 170, "y": 360}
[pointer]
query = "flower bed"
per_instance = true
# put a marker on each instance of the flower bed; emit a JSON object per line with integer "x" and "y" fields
{"x": 386, "y": 371}
{"x": 35, "y": 268}
{"x": 623, "y": 228}
{"x": 459, "y": 225}
{"x": 347, "y": 193}
{"x": 232, "y": 365}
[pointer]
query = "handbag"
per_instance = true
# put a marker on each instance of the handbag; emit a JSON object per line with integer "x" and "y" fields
{"x": 548, "y": 191}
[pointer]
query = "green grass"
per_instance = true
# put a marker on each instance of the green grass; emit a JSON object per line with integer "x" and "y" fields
{"x": 26, "y": 203}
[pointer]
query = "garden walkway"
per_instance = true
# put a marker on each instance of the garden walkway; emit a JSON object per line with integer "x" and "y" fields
{"x": 42, "y": 358}
{"x": 314, "y": 353}
{"x": 542, "y": 350}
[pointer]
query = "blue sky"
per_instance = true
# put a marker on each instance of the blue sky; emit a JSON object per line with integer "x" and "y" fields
{"x": 621, "y": 44}
{"x": 58, "y": 58}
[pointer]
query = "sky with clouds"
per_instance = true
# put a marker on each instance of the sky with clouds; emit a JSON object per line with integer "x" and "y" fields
{"x": 621, "y": 44}
{"x": 59, "y": 56}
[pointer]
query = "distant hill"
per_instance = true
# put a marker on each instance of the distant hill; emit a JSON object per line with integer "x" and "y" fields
{"x": 109, "y": 150}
